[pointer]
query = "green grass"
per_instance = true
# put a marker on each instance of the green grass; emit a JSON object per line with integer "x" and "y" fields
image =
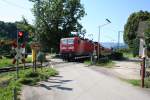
{"x": 5, "y": 62}
{"x": 127, "y": 55}
{"x": 106, "y": 64}
{"x": 138, "y": 82}
{"x": 87, "y": 62}
{"x": 29, "y": 59}
{"x": 134, "y": 82}
{"x": 27, "y": 77}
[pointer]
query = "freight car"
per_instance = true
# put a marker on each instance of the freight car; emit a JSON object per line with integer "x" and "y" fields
{"x": 76, "y": 47}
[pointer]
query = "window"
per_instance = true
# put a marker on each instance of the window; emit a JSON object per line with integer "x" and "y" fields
{"x": 64, "y": 41}
{"x": 70, "y": 41}
{"x": 67, "y": 41}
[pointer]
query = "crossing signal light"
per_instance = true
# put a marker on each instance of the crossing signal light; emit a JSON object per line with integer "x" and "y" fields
{"x": 20, "y": 36}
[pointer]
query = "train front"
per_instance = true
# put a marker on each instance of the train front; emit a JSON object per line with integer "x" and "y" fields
{"x": 67, "y": 48}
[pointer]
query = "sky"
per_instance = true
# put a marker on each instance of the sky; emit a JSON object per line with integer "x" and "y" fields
{"x": 117, "y": 11}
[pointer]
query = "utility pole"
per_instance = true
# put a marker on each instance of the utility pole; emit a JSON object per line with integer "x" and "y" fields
{"x": 98, "y": 48}
{"x": 119, "y": 39}
{"x": 17, "y": 71}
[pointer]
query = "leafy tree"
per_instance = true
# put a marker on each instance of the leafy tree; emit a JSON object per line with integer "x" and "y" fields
{"x": 25, "y": 26}
{"x": 147, "y": 39}
{"x": 56, "y": 19}
{"x": 7, "y": 30}
{"x": 131, "y": 28}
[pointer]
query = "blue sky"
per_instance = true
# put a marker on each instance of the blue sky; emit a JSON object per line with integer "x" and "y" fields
{"x": 117, "y": 11}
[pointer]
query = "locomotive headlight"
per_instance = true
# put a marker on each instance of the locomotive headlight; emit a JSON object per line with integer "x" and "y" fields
{"x": 63, "y": 48}
{"x": 71, "y": 47}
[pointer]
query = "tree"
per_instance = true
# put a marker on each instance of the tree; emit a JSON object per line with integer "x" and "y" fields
{"x": 147, "y": 39}
{"x": 131, "y": 28}
{"x": 25, "y": 26}
{"x": 7, "y": 30}
{"x": 56, "y": 19}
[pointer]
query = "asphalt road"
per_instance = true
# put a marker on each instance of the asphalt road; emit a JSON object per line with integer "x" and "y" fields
{"x": 77, "y": 82}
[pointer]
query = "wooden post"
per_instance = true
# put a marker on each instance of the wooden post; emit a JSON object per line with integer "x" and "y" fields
{"x": 143, "y": 72}
{"x": 35, "y": 60}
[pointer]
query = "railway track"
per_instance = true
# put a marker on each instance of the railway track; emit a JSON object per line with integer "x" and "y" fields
{"x": 27, "y": 66}
{"x": 9, "y": 69}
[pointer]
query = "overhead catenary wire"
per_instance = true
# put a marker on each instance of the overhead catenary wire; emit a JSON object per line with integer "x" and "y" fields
{"x": 14, "y": 4}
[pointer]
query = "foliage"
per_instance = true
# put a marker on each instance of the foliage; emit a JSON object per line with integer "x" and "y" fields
{"x": 134, "y": 82}
{"x": 23, "y": 25}
{"x": 28, "y": 59}
{"x": 25, "y": 77}
{"x": 147, "y": 82}
{"x": 138, "y": 82}
{"x": 124, "y": 50}
{"x": 56, "y": 19}
{"x": 5, "y": 62}
{"x": 131, "y": 28}
{"x": 7, "y": 30}
{"x": 107, "y": 63}
{"x": 147, "y": 39}
{"x": 117, "y": 56}
{"x": 127, "y": 53}
{"x": 5, "y": 50}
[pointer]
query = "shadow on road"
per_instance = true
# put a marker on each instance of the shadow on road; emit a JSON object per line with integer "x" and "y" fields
{"x": 57, "y": 83}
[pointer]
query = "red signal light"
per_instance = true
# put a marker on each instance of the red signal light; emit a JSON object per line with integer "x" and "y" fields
{"x": 20, "y": 34}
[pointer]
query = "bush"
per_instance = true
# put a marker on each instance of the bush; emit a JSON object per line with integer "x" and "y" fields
{"x": 25, "y": 81}
{"x": 104, "y": 60}
{"x": 147, "y": 82}
{"x": 124, "y": 50}
{"x": 117, "y": 56}
{"x": 32, "y": 74}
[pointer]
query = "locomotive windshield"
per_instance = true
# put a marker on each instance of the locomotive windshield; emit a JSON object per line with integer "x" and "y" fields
{"x": 64, "y": 41}
{"x": 70, "y": 41}
{"x": 67, "y": 41}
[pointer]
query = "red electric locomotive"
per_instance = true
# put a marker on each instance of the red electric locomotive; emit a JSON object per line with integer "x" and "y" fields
{"x": 76, "y": 47}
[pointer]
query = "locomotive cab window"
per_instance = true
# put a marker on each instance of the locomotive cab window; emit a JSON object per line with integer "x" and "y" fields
{"x": 64, "y": 41}
{"x": 70, "y": 41}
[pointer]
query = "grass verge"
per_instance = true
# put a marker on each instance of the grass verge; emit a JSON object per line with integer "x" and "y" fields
{"x": 26, "y": 77}
{"x": 29, "y": 59}
{"x": 106, "y": 64}
{"x": 138, "y": 82}
{"x": 6, "y": 62}
{"x": 127, "y": 55}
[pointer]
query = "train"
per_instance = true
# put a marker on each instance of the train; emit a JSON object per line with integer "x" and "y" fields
{"x": 77, "y": 47}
